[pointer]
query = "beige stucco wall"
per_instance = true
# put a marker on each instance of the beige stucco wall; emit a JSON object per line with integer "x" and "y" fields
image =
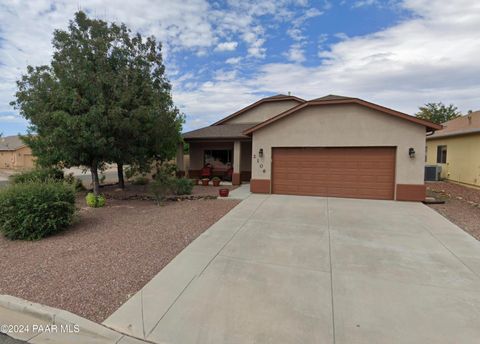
{"x": 6, "y": 159}
{"x": 20, "y": 159}
{"x": 463, "y": 158}
{"x": 343, "y": 126}
{"x": 263, "y": 112}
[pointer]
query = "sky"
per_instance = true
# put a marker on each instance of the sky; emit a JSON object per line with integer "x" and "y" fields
{"x": 223, "y": 55}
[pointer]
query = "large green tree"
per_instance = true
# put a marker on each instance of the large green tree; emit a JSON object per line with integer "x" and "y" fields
{"x": 437, "y": 112}
{"x": 103, "y": 98}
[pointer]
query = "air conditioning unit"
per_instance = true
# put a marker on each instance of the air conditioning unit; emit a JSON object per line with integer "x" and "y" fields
{"x": 432, "y": 173}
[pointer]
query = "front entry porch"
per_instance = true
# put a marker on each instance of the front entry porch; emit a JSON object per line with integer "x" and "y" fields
{"x": 226, "y": 159}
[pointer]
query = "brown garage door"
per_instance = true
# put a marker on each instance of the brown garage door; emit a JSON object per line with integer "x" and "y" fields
{"x": 366, "y": 172}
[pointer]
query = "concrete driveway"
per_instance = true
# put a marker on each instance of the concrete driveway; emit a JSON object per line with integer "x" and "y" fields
{"x": 287, "y": 269}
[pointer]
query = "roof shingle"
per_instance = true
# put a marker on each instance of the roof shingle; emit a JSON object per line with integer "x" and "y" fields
{"x": 463, "y": 125}
{"x": 11, "y": 143}
{"x": 220, "y": 131}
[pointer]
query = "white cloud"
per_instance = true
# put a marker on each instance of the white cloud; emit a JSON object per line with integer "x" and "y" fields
{"x": 364, "y": 3}
{"x": 13, "y": 118}
{"x": 221, "y": 75}
{"x": 233, "y": 60}
{"x": 295, "y": 53}
{"x": 226, "y": 46}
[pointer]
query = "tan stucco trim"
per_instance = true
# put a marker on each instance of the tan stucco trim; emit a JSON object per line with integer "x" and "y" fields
{"x": 430, "y": 126}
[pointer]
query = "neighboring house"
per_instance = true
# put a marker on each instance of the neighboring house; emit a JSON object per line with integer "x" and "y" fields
{"x": 330, "y": 146}
{"x": 14, "y": 154}
{"x": 456, "y": 148}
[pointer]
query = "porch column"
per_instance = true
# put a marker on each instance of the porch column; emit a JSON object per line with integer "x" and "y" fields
{"x": 180, "y": 162}
{"x": 237, "y": 153}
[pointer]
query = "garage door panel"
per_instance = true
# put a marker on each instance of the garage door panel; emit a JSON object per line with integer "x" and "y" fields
{"x": 367, "y": 172}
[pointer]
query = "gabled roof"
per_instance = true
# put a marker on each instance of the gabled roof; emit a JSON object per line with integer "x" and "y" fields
{"x": 278, "y": 97}
{"x": 331, "y": 97}
{"x": 335, "y": 100}
{"x": 464, "y": 125}
{"x": 221, "y": 131}
{"x": 11, "y": 143}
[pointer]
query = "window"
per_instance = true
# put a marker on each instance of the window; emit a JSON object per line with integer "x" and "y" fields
{"x": 218, "y": 158}
{"x": 441, "y": 154}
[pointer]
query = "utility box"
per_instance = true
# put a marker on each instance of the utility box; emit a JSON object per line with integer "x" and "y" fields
{"x": 432, "y": 173}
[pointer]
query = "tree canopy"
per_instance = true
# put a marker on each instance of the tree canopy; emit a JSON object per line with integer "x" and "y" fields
{"x": 438, "y": 113}
{"x": 103, "y": 98}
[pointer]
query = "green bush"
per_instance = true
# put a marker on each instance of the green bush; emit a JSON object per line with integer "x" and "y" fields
{"x": 33, "y": 210}
{"x": 162, "y": 185}
{"x": 183, "y": 186}
{"x": 39, "y": 175}
{"x": 141, "y": 180}
{"x": 76, "y": 182}
{"x": 95, "y": 201}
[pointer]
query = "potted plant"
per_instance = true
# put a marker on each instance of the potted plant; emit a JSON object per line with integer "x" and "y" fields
{"x": 205, "y": 181}
{"x": 223, "y": 192}
{"x": 216, "y": 181}
{"x": 196, "y": 181}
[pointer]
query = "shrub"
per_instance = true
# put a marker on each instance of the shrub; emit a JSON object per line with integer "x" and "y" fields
{"x": 39, "y": 175}
{"x": 141, "y": 180}
{"x": 183, "y": 186}
{"x": 33, "y": 210}
{"x": 95, "y": 201}
{"x": 216, "y": 179}
{"x": 162, "y": 185}
{"x": 76, "y": 182}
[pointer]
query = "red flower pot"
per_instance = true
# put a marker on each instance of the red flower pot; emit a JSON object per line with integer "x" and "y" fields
{"x": 196, "y": 181}
{"x": 205, "y": 182}
{"x": 216, "y": 182}
{"x": 223, "y": 192}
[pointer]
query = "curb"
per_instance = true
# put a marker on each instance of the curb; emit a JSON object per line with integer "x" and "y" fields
{"x": 30, "y": 313}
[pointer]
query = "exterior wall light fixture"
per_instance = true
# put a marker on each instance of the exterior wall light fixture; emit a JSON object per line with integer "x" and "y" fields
{"x": 411, "y": 153}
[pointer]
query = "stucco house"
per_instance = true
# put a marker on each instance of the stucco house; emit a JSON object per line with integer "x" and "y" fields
{"x": 330, "y": 146}
{"x": 456, "y": 148}
{"x": 14, "y": 154}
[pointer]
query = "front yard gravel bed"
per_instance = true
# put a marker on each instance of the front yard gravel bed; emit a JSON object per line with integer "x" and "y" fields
{"x": 142, "y": 192}
{"x": 108, "y": 255}
{"x": 462, "y": 205}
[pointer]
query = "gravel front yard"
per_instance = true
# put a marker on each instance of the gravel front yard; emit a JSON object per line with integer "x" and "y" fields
{"x": 106, "y": 256}
{"x": 462, "y": 205}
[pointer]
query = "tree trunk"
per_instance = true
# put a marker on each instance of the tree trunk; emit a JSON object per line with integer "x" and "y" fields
{"x": 121, "y": 181}
{"x": 95, "y": 181}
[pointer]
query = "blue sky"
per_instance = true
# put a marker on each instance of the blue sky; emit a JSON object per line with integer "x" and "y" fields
{"x": 223, "y": 55}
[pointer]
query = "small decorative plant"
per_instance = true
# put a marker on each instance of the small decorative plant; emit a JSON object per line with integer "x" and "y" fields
{"x": 196, "y": 181}
{"x": 216, "y": 181}
{"x": 95, "y": 201}
{"x": 205, "y": 181}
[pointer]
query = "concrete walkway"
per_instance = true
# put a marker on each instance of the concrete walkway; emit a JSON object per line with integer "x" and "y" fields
{"x": 287, "y": 269}
{"x": 242, "y": 192}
